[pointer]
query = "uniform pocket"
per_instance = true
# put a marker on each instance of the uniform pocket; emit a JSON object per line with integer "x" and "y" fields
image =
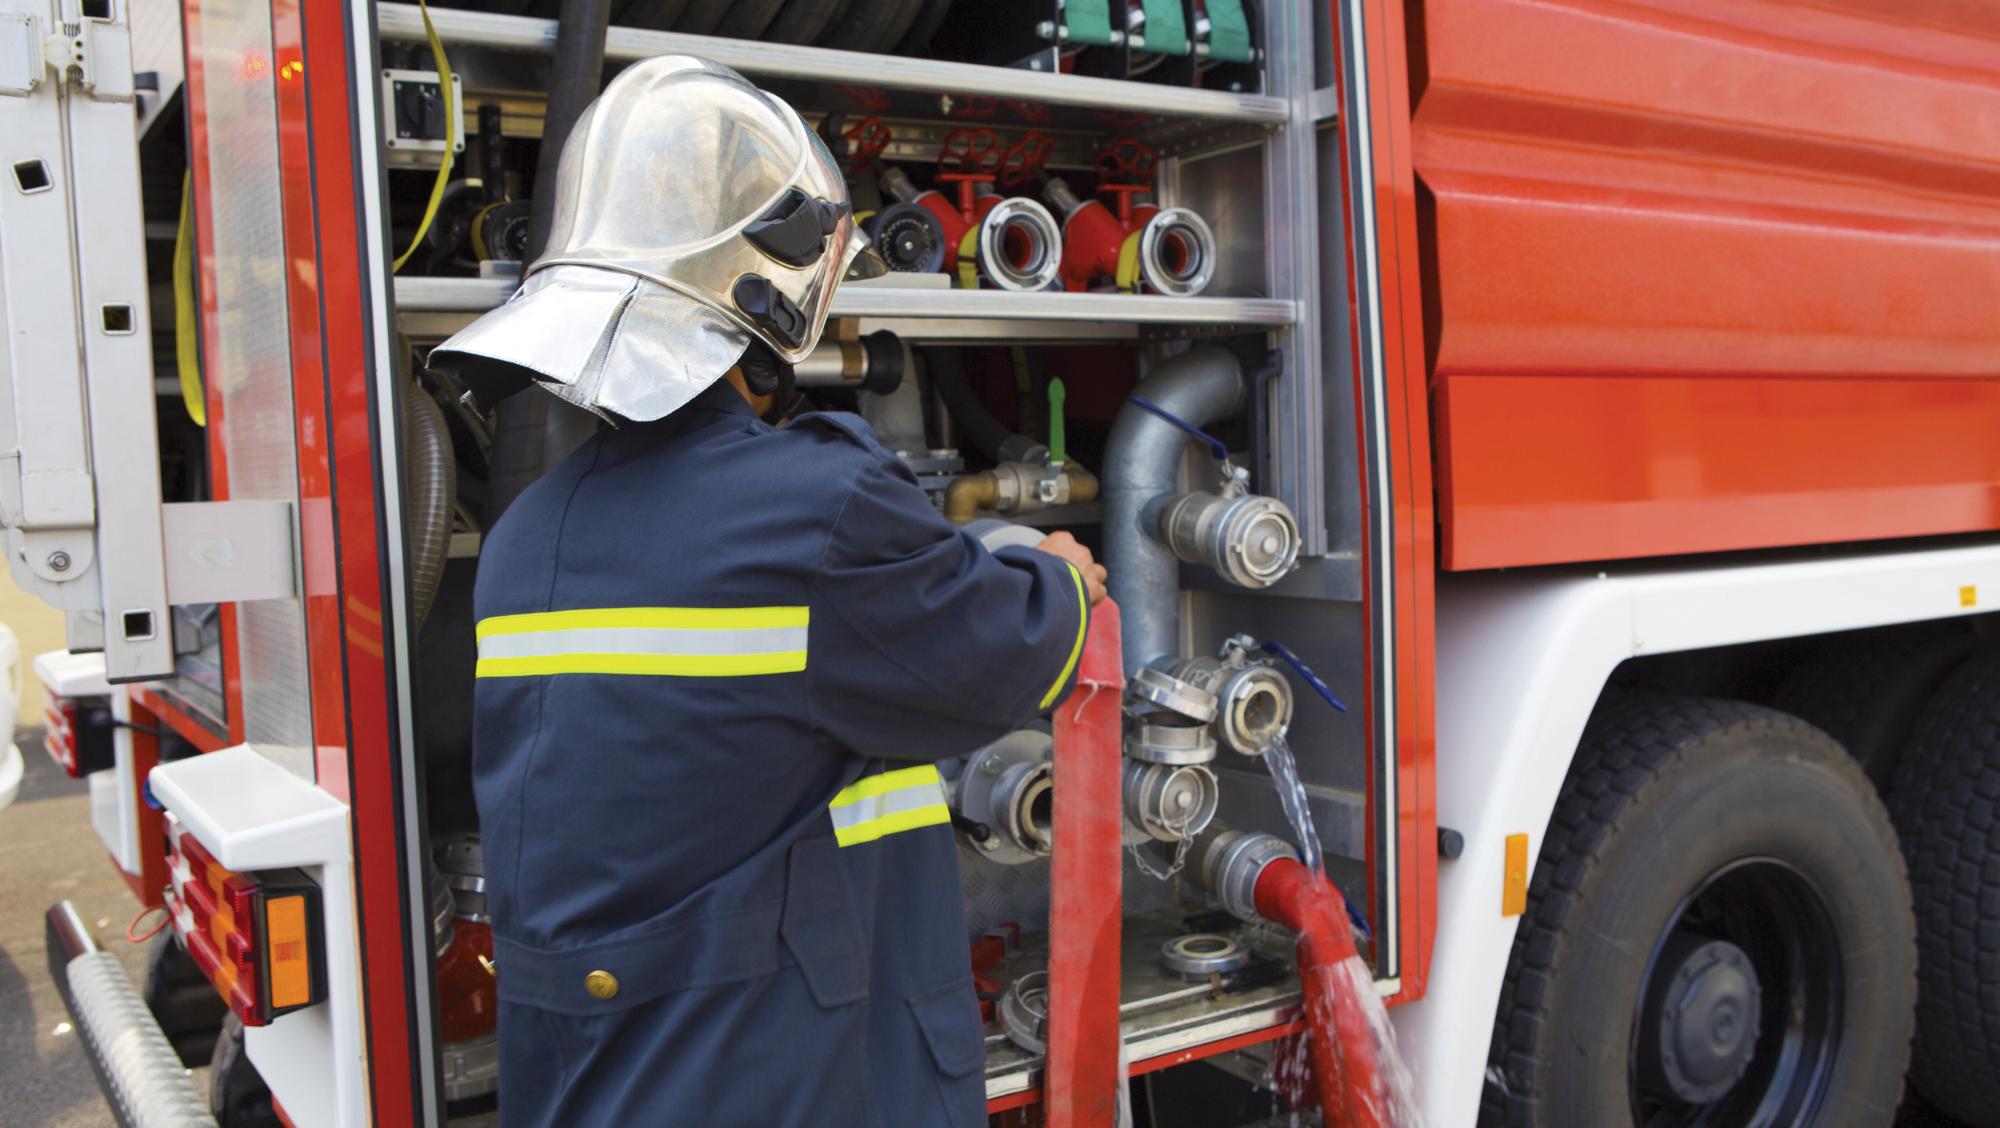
{"x": 949, "y": 1019}
{"x": 819, "y": 926}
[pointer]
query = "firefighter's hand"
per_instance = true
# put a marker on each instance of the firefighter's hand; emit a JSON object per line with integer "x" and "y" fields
{"x": 1093, "y": 573}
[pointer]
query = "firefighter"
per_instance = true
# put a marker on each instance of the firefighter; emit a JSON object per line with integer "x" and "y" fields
{"x": 717, "y": 660}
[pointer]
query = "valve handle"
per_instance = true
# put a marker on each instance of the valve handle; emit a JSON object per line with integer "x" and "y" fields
{"x": 970, "y": 150}
{"x": 1024, "y": 159}
{"x": 1304, "y": 671}
{"x": 1127, "y": 159}
{"x": 866, "y": 140}
{"x": 1057, "y": 454}
{"x": 1216, "y": 447}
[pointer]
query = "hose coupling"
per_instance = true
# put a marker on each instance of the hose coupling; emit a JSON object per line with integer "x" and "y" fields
{"x": 1008, "y": 787}
{"x": 1167, "y": 802}
{"x": 1019, "y": 246}
{"x": 1227, "y": 862}
{"x": 1254, "y": 699}
{"x": 1250, "y": 540}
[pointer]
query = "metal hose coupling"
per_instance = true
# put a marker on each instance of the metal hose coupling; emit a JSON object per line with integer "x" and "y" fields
{"x": 1168, "y": 802}
{"x": 1254, "y": 700}
{"x": 1006, "y": 797}
{"x": 1227, "y": 862}
{"x": 1019, "y": 246}
{"x": 1176, "y": 253}
{"x": 1249, "y": 540}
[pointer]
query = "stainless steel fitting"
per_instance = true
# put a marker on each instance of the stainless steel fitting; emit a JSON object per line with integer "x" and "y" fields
{"x": 1024, "y": 1012}
{"x": 461, "y": 863}
{"x": 1167, "y": 802}
{"x": 1198, "y": 955}
{"x": 1008, "y": 788}
{"x": 1228, "y": 862}
{"x": 1250, "y": 540}
{"x": 1176, "y": 253}
{"x": 1256, "y": 700}
{"x": 1169, "y": 738}
{"x": 1159, "y": 688}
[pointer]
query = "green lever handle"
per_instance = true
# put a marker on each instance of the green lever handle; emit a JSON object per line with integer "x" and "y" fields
{"x": 1057, "y": 455}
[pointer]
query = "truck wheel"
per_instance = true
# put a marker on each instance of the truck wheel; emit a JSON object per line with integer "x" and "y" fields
{"x": 182, "y": 1000}
{"x": 237, "y": 1096}
{"x": 1718, "y": 931}
{"x": 1867, "y": 688}
{"x": 1946, "y": 801}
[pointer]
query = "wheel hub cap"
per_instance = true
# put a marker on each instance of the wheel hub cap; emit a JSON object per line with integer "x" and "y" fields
{"x": 1705, "y": 1017}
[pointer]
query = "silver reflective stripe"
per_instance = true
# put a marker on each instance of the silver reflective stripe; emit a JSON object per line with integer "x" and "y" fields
{"x": 627, "y": 640}
{"x": 888, "y": 803}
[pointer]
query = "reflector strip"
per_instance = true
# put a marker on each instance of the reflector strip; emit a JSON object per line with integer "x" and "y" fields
{"x": 1514, "y": 885}
{"x": 659, "y": 641}
{"x": 288, "y": 947}
{"x": 875, "y": 806}
{"x": 1076, "y": 648}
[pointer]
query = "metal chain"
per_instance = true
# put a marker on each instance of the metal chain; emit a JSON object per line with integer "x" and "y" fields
{"x": 1180, "y": 853}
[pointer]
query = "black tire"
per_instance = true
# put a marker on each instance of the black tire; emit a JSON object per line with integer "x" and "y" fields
{"x": 1866, "y": 689}
{"x": 1686, "y": 820}
{"x": 802, "y": 21}
{"x": 237, "y": 1095}
{"x": 182, "y": 1000}
{"x": 1946, "y": 802}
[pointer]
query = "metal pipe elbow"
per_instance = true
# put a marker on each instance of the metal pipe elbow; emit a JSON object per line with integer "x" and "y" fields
{"x": 969, "y": 493}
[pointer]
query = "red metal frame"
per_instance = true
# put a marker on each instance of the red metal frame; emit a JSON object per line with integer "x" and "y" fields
{"x": 340, "y": 519}
{"x": 1412, "y": 583}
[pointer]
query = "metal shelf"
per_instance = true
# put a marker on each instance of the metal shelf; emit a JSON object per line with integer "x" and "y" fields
{"x": 403, "y": 23}
{"x": 940, "y": 314}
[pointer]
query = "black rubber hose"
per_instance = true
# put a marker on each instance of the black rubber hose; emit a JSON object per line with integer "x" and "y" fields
{"x": 532, "y": 425}
{"x": 977, "y": 425}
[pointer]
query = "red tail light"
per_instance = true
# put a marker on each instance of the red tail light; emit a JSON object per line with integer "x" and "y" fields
{"x": 254, "y": 935}
{"x": 77, "y": 735}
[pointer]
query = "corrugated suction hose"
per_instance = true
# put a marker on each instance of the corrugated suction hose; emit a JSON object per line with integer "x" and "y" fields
{"x": 432, "y": 473}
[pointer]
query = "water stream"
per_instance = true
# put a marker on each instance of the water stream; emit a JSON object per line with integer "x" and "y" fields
{"x": 1394, "y": 1102}
{"x": 1292, "y": 796}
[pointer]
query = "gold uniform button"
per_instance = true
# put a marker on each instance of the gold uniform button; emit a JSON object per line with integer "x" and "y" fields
{"x": 601, "y": 984}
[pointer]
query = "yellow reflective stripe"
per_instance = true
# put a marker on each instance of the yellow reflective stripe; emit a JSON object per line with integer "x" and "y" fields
{"x": 884, "y": 782}
{"x": 646, "y": 618}
{"x": 669, "y": 665}
{"x": 1076, "y": 648}
{"x": 901, "y": 821}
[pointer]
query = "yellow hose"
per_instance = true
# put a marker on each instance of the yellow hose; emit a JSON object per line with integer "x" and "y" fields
{"x": 452, "y": 127}
{"x": 187, "y": 341}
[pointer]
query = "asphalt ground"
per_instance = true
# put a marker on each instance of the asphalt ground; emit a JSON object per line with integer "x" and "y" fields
{"x": 48, "y": 852}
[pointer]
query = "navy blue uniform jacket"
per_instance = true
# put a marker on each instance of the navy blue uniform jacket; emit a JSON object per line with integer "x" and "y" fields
{"x": 717, "y": 663}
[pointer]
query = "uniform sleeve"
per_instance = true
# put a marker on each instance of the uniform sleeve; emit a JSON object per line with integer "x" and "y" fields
{"x": 922, "y": 643}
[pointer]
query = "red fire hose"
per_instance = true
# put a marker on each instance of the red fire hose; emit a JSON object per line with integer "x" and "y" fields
{"x": 1083, "y": 1078}
{"x": 1338, "y": 1034}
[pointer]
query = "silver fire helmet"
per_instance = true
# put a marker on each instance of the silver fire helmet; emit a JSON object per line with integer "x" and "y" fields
{"x": 693, "y": 213}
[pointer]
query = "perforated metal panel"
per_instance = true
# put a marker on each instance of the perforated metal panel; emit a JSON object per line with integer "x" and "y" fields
{"x": 250, "y": 355}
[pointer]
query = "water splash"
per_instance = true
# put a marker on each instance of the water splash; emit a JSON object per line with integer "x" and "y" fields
{"x": 1393, "y": 1102}
{"x": 1292, "y": 796}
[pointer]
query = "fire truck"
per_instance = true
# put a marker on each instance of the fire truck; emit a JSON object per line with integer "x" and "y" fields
{"x": 1567, "y": 425}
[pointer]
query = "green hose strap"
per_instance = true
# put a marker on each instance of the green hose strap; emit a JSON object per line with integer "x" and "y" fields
{"x": 1166, "y": 28}
{"x": 1228, "y": 33}
{"x": 1087, "y": 22}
